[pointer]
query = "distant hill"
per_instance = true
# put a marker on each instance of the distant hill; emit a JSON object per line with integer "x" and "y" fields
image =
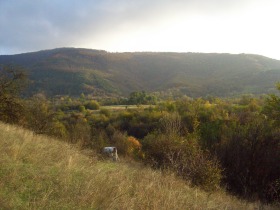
{"x": 74, "y": 71}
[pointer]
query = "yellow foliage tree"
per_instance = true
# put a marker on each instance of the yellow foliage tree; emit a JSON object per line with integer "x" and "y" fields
{"x": 134, "y": 147}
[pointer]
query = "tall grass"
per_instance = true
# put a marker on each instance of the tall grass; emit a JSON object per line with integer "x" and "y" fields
{"x": 37, "y": 172}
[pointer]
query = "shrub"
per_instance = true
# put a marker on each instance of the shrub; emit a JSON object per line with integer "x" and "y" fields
{"x": 134, "y": 147}
{"x": 127, "y": 146}
{"x": 93, "y": 105}
{"x": 39, "y": 114}
{"x": 184, "y": 156}
{"x": 79, "y": 131}
{"x": 250, "y": 154}
{"x": 119, "y": 140}
{"x": 58, "y": 129}
{"x": 82, "y": 108}
{"x": 105, "y": 112}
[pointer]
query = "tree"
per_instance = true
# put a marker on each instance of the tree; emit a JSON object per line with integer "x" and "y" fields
{"x": 171, "y": 124}
{"x": 40, "y": 114}
{"x": 168, "y": 149}
{"x": 141, "y": 98}
{"x": 12, "y": 81}
{"x": 272, "y": 107}
{"x": 250, "y": 153}
{"x": 93, "y": 105}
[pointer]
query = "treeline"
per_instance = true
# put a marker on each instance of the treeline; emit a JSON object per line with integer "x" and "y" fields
{"x": 234, "y": 143}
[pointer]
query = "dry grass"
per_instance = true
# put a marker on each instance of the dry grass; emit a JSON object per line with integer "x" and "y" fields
{"x": 37, "y": 172}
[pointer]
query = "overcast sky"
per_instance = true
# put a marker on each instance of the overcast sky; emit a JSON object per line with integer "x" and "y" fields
{"x": 232, "y": 26}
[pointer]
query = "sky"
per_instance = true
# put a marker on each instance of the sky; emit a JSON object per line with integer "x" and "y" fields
{"x": 207, "y": 26}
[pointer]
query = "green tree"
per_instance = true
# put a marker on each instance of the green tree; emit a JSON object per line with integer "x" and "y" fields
{"x": 272, "y": 107}
{"x": 93, "y": 105}
{"x": 181, "y": 154}
{"x": 82, "y": 108}
{"x": 39, "y": 114}
{"x": 12, "y": 81}
{"x": 141, "y": 97}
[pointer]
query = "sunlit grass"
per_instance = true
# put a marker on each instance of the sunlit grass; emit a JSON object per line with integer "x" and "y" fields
{"x": 37, "y": 172}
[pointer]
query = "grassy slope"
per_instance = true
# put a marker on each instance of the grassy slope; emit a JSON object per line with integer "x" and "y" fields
{"x": 37, "y": 172}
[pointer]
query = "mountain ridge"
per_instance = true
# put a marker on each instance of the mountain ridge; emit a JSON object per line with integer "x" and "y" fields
{"x": 74, "y": 71}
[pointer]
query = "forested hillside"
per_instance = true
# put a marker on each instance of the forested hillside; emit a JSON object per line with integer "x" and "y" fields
{"x": 70, "y": 71}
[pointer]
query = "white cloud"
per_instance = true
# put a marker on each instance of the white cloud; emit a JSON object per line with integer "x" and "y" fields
{"x": 233, "y": 26}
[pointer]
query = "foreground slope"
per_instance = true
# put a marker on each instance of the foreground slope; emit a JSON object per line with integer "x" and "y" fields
{"x": 75, "y": 71}
{"x": 37, "y": 172}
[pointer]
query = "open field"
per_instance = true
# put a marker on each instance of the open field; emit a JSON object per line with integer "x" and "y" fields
{"x": 122, "y": 107}
{"x": 117, "y": 108}
{"x": 37, "y": 172}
